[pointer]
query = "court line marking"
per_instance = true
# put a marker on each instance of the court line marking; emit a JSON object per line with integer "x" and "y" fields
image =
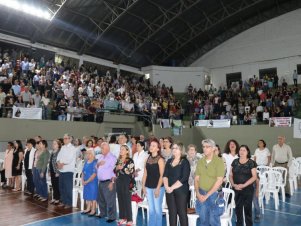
{"x": 49, "y": 219}
{"x": 290, "y": 204}
{"x": 276, "y": 211}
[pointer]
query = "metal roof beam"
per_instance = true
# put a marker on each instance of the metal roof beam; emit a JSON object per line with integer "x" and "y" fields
{"x": 204, "y": 25}
{"x": 114, "y": 15}
{"x": 160, "y": 22}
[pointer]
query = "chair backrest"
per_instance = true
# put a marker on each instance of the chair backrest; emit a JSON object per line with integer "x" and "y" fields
{"x": 262, "y": 169}
{"x": 273, "y": 179}
{"x": 298, "y": 160}
{"x": 229, "y": 196}
{"x": 294, "y": 168}
{"x": 283, "y": 172}
{"x": 77, "y": 180}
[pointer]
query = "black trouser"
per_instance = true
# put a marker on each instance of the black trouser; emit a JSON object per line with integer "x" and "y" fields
{"x": 30, "y": 184}
{"x": 55, "y": 186}
{"x": 243, "y": 202}
{"x": 3, "y": 179}
{"x": 124, "y": 197}
{"x": 177, "y": 206}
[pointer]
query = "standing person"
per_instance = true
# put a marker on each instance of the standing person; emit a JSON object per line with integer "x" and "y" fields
{"x": 8, "y": 164}
{"x": 295, "y": 77}
{"x": 167, "y": 152}
{"x": 175, "y": 178}
{"x": 139, "y": 160}
{"x": 152, "y": 184}
{"x": 28, "y": 164}
{"x": 124, "y": 171}
{"x": 54, "y": 172}
{"x": 242, "y": 176}
{"x": 89, "y": 181}
{"x": 17, "y": 164}
{"x": 230, "y": 153}
{"x": 106, "y": 186}
{"x": 209, "y": 176}
{"x": 41, "y": 168}
{"x": 282, "y": 156}
{"x": 66, "y": 164}
{"x": 262, "y": 155}
{"x": 193, "y": 160}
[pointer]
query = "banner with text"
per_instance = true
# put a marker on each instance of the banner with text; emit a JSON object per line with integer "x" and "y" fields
{"x": 219, "y": 123}
{"x": 27, "y": 113}
{"x": 280, "y": 122}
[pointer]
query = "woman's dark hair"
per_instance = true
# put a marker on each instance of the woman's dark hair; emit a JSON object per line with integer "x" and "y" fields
{"x": 10, "y": 143}
{"x": 264, "y": 143}
{"x": 31, "y": 141}
{"x": 20, "y": 146}
{"x": 141, "y": 144}
{"x": 113, "y": 139}
{"x": 248, "y": 150}
{"x": 59, "y": 143}
{"x": 227, "y": 147}
{"x": 44, "y": 142}
{"x": 169, "y": 139}
{"x": 158, "y": 143}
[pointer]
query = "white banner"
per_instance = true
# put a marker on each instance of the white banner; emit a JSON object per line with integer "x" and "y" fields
{"x": 222, "y": 123}
{"x": 280, "y": 122}
{"x": 297, "y": 128}
{"x": 218, "y": 123}
{"x": 203, "y": 123}
{"x": 27, "y": 113}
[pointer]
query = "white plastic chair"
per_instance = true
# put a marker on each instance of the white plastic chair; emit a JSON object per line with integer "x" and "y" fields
{"x": 192, "y": 219}
{"x": 282, "y": 182}
{"x": 298, "y": 160}
{"x": 23, "y": 179}
{"x": 192, "y": 197}
{"x": 77, "y": 190}
{"x": 262, "y": 185}
{"x": 273, "y": 179}
{"x": 144, "y": 206}
{"x": 227, "y": 215}
{"x": 293, "y": 174}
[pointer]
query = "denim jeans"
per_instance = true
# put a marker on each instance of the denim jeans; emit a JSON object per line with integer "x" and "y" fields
{"x": 62, "y": 117}
{"x": 207, "y": 210}
{"x": 154, "y": 207}
{"x": 36, "y": 183}
{"x": 42, "y": 185}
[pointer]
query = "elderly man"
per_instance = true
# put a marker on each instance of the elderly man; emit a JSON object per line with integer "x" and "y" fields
{"x": 282, "y": 156}
{"x": 209, "y": 176}
{"x": 106, "y": 187}
{"x": 66, "y": 164}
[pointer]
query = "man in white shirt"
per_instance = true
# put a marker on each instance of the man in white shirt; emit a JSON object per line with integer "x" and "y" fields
{"x": 282, "y": 156}
{"x": 28, "y": 164}
{"x": 66, "y": 164}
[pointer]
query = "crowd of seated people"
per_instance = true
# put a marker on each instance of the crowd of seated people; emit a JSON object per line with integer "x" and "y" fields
{"x": 66, "y": 92}
{"x": 243, "y": 103}
{"x": 60, "y": 89}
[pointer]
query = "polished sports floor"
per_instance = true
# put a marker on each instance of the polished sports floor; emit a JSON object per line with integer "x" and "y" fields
{"x": 19, "y": 209}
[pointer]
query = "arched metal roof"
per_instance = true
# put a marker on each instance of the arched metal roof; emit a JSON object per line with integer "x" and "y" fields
{"x": 143, "y": 32}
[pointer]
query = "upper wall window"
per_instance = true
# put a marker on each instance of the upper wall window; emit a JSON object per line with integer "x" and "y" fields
{"x": 299, "y": 69}
{"x": 269, "y": 72}
{"x": 233, "y": 78}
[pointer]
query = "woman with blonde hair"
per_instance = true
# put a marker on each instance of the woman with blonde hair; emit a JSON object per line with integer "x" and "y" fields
{"x": 175, "y": 178}
{"x": 124, "y": 171}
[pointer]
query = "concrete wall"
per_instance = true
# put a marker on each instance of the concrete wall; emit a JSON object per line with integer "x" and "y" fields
{"x": 177, "y": 77}
{"x": 248, "y": 135}
{"x": 12, "y": 129}
{"x": 275, "y": 43}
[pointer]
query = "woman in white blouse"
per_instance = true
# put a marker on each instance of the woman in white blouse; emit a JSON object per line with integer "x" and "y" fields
{"x": 139, "y": 160}
{"x": 262, "y": 155}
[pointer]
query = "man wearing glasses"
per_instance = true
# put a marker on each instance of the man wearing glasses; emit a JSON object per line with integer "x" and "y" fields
{"x": 209, "y": 176}
{"x": 66, "y": 164}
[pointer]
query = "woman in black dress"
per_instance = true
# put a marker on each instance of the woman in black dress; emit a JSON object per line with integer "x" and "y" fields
{"x": 175, "y": 178}
{"x": 17, "y": 165}
{"x": 242, "y": 177}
